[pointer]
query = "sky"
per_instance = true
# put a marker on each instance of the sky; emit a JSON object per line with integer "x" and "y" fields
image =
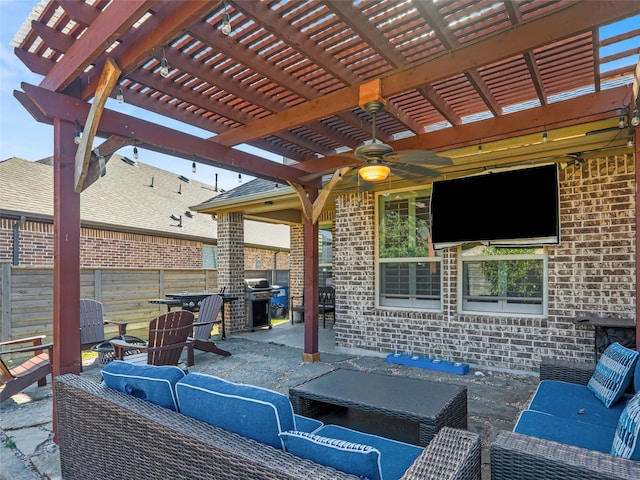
{"x": 22, "y": 136}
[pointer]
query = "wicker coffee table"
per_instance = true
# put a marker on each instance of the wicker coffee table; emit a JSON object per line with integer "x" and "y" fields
{"x": 432, "y": 405}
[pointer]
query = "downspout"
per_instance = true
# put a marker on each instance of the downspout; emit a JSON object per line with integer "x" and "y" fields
{"x": 16, "y": 240}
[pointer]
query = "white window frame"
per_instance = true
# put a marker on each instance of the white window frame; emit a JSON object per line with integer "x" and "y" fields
{"x": 406, "y": 301}
{"x": 501, "y": 305}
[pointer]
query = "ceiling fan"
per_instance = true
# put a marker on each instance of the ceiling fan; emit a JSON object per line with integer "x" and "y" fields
{"x": 377, "y": 159}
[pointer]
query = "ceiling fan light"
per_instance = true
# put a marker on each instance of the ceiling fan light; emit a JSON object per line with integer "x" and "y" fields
{"x": 375, "y": 172}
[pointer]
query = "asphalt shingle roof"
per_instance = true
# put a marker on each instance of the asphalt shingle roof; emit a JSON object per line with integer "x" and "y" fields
{"x": 138, "y": 197}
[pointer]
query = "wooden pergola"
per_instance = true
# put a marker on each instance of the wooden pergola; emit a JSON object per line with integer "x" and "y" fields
{"x": 292, "y": 78}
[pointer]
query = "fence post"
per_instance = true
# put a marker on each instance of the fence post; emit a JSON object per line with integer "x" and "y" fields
{"x": 5, "y": 313}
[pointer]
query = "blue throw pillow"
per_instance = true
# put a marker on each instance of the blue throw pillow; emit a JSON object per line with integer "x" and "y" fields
{"x": 348, "y": 457}
{"x": 626, "y": 442}
{"x": 613, "y": 373}
{"x": 148, "y": 382}
{"x": 253, "y": 412}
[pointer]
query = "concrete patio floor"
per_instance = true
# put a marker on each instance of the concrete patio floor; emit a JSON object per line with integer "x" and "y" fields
{"x": 271, "y": 359}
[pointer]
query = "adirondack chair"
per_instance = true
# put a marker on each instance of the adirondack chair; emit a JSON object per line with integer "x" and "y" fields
{"x": 34, "y": 369}
{"x": 207, "y": 318}
{"x": 92, "y": 324}
{"x": 168, "y": 336}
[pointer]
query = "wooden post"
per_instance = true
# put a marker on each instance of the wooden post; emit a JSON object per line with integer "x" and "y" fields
{"x": 311, "y": 353}
{"x": 66, "y": 262}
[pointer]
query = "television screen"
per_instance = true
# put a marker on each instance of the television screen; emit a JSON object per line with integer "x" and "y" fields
{"x": 513, "y": 207}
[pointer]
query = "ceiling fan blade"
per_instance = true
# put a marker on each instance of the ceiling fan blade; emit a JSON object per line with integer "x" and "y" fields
{"x": 351, "y": 161}
{"x": 426, "y": 157}
{"x": 415, "y": 169}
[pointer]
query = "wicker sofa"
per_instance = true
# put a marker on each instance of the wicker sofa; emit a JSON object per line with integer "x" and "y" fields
{"x": 104, "y": 433}
{"x": 520, "y": 456}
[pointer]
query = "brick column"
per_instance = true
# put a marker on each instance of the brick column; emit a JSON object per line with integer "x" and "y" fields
{"x": 231, "y": 267}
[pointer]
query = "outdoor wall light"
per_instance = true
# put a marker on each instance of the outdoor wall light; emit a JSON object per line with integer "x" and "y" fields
{"x": 374, "y": 172}
{"x": 635, "y": 118}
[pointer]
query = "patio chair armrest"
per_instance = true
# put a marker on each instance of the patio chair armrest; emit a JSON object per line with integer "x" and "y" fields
{"x": 571, "y": 371}
{"x": 33, "y": 348}
{"x": 122, "y": 326}
{"x": 514, "y": 455}
{"x": 35, "y": 340}
{"x": 453, "y": 452}
{"x": 119, "y": 347}
{"x": 212, "y": 322}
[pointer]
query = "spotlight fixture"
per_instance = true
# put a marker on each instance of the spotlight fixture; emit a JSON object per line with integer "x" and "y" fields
{"x": 175, "y": 217}
{"x": 135, "y": 153}
{"x": 77, "y": 136}
{"x": 374, "y": 172}
{"x": 635, "y": 118}
{"x": 164, "y": 65}
{"x": 193, "y": 167}
{"x": 226, "y": 22}
{"x": 120, "y": 95}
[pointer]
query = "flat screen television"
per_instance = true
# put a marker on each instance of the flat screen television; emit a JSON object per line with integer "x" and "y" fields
{"x": 511, "y": 208}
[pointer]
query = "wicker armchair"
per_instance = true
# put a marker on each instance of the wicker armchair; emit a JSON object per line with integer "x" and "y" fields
{"x": 517, "y": 456}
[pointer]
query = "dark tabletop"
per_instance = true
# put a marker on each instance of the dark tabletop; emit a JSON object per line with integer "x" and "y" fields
{"x": 422, "y": 398}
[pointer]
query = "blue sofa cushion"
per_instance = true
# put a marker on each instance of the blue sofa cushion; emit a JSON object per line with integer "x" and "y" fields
{"x": 563, "y": 430}
{"x": 354, "y": 458}
{"x": 148, "y": 382}
{"x": 613, "y": 373}
{"x": 253, "y": 412}
{"x": 626, "y": 442}
{"x": 395, "y": 457}
{"x": 574, "y": 402}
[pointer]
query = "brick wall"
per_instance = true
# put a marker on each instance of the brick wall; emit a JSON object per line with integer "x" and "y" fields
{"x": 106, "y": 248}
{"x": 592, "y": 272}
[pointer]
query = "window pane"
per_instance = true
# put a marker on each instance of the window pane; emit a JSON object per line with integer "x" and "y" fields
{"x": 508, "y": 280}
{"x": 326, "y": 245}
{"x": 428, "y": 279}
{"x": 404, "y": 226}
{"x": 209, "y": 257}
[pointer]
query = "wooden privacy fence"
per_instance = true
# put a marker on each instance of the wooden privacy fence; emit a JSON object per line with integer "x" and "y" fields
{"x": 26, "y": 295}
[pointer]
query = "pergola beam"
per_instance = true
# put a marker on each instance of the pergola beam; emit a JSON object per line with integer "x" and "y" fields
{"x": 162, "y": 139}
{"x": 575, "y": 19}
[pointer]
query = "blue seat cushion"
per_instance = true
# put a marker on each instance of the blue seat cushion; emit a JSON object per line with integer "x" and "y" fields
{"x": 574, "y": 402}
{"x": 349, "y": 457}
{"x": 395, "y": 457}
{"x": 148, "y": 382}
{"x": 306, "y": 424}
{"x": 613, "y": 373}
{"x": 253, "y": 412}
{"x": 626, "y": 441}
{"x": 563, "y": 430}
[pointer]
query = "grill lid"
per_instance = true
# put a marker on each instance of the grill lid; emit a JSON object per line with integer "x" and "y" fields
{"x": 257, "y": 283}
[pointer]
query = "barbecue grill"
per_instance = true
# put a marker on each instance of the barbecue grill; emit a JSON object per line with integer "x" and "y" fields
{"x": 258, "y": 295}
